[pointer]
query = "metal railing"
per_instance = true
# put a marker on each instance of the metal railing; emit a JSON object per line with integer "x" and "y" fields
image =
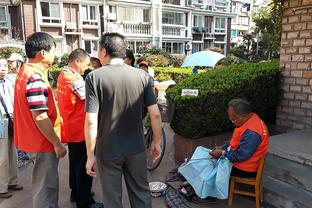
{"x": 136, "y": 29}
{"x": 172, "y": 31}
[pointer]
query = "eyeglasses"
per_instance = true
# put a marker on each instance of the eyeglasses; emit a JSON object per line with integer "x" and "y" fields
{"x": 235, "y": 119}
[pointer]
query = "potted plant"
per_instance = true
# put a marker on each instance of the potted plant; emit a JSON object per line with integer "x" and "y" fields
{"x": 203, "y": 120}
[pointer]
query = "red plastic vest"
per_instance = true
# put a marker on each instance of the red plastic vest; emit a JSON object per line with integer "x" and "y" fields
{"x": 257, "y": 125}
{"x": 27, "y": 136}
{"x": 71, "y": 108}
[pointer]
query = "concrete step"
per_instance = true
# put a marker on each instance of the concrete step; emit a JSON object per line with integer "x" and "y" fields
{"x": 279, "y": 194}
{"x": 293, "y": 173}
{"x": 294, "y": 146}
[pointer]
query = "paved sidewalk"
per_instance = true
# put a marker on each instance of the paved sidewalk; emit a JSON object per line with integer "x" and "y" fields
{"x": 24, "y": 198}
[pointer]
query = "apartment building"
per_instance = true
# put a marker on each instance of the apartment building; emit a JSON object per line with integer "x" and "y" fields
{"x": 11, "y": 25}
{"x": 73, "y": 23}
{"x": 242, "y": 23}
{"x": 177, "y": 26}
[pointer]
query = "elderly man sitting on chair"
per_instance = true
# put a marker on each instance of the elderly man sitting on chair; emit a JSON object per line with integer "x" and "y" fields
{"x": 249, "y": 142}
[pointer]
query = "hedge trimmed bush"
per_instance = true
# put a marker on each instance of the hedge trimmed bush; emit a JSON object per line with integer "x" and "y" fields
{"x": 205, "y": 115}
{"x": 53, "y": 73}
{"x": 176, "y": 74}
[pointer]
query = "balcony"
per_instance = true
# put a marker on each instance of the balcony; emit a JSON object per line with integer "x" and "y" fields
{"x": 173, "y": 31}
{"x": 209, "y": 35}
{"x": 136, "y": 29}
{"x": 71, "y": 28}
{"x": 201, "y": 29}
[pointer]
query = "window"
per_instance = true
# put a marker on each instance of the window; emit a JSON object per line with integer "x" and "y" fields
{"x": 166, "y": 46}
{"x": 173, "y": 47}
{"x": 50, "y": 12}
{"x": 59, "y": 46}
{"x": 233, "y": 33}
{"x": 222, "y": 3}
{"x": 137, "y": 46}
{"x": 112, "y": 9}
{"x": 197, "y": 47}
{"x": 220, "y": 25}
{"x": 3, "y": 17}
{"x": 243, "y": 20}
{"x": 177, "y": 48}
{"x": 209, "y": 5}
{"x": 172, "y": 18}
{"x": 208, "y": 44}
{"x": 234, "y": 20}
{"x": 146, "y": 15}
{"x": 198, "y": 21}
{"x": 176, "y": 2}
{"x": 220, "y": 45}
{"x": 88, "y": 15}
{"x": 4, "y": 34}
{"x": 91, "y": 46}
{"x": 132, "y": 14}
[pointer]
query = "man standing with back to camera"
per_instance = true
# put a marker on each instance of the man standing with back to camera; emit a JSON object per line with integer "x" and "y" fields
{"x": 115, "y": 97}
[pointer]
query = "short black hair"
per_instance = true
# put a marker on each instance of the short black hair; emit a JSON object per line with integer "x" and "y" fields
{"x": 240, "y": 106}
{"x": 78, "y": 53}
{"x": 38, "y": 41}
{"x": 115, "y": 44}
{"x": 129, "y": 55}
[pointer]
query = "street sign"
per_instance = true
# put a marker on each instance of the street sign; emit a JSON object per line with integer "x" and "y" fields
{"x": 189, "y": 92}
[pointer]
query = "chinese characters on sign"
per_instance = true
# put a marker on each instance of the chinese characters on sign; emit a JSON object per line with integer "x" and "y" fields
{"x": 189, "y": 92}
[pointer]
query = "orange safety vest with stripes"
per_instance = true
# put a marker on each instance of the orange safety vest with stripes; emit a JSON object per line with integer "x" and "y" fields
{"x": 71, "y": 108}
{"x": 27, "y": 135}
{"x": 257, "y": 125}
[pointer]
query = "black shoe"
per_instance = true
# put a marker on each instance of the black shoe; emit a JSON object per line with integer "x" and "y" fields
{"x": 208, "y": 200}
{"x": 96, "y": 205}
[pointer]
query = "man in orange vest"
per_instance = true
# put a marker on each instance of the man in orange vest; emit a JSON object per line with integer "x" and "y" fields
{"x": 249, "y": 142}
{"x": 37, "y": 121}
{"x": 71, "y": 101}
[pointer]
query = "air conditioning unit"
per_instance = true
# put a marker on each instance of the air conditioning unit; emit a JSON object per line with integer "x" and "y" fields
{"x": 71, "y": 25}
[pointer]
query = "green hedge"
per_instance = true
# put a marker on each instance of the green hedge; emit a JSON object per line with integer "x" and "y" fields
{"x": 206, "y": 114}
{"x": 161, "y": 73}
{"x": 176, "y": 74}
{"x": 54, "y": 72}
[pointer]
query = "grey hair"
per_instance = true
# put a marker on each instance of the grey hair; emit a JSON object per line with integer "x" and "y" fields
{"x": 240, "y": 106}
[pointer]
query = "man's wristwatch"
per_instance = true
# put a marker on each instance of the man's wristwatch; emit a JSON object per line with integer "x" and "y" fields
{"x": 223, "y": 153}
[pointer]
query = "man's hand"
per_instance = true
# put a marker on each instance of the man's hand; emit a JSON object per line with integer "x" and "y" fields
{"x": 90, "y": 166}
{"x": 155, "y": 150}
{"x": 216, "y": 153}
{"x": 60, "y": 150}
{"x": 217, "y": 147}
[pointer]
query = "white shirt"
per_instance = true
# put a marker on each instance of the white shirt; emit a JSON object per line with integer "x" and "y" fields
{"x": 78, "y": 87}
{"x": 7, "y": 93}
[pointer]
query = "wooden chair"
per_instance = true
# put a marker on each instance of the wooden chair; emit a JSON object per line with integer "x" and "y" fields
{"x": 256, "y": 182}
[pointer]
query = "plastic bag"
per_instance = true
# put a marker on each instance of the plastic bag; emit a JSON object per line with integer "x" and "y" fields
{"x": 208, "y": 176}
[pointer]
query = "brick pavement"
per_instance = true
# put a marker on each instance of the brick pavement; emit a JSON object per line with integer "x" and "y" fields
{"x": 24, "y": 198}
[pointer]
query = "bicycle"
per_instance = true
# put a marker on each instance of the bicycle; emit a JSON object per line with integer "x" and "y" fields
{"x": 166, "y": 111}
